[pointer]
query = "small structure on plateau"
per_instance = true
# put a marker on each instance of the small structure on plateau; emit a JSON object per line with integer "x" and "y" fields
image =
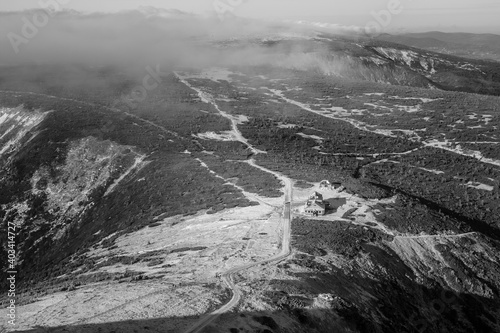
{"x": 325, "y": 184}
{"x": 315, "y": 206}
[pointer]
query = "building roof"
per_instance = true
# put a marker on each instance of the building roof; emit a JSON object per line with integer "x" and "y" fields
{"x": 316, "y": 205}
{"x": 316, "y": 196}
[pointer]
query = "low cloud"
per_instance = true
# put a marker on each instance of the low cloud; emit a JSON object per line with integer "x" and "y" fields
{"x": 127, "y": 38}
{"x": 60, "y": 50}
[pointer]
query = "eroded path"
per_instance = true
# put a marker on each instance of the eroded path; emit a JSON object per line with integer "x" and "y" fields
{"x": 413, "y": 135}
{"x": 228, "y": 276}
{"x": 440, "y": 236}
{"x": 207, "y": 98}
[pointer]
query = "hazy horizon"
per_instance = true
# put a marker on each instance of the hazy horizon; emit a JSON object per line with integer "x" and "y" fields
{"x": 426, "y": 15}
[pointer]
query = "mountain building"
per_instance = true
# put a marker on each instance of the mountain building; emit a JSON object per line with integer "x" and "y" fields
{"x": 315, "y": 205}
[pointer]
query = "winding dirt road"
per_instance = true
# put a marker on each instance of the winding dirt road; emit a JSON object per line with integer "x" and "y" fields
{"x": 228, "y": 276}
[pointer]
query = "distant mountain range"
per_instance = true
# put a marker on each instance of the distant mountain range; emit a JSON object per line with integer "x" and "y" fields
{"x": 376, "y": 60}
{"x": 478, "y": 46}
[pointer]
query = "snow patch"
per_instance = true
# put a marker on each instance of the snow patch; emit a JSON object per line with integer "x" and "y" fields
{"x": 215, "y": 74}
{"x": 15, "y": 124}
{"x": 479, "y": 186}
{"x": 222, "y": 136}
{"x": 138, "y": 165}
{"x": 318, "y": 139}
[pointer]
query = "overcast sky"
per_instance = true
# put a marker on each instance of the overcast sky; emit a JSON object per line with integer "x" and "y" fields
{"x": 448, "y": 15}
